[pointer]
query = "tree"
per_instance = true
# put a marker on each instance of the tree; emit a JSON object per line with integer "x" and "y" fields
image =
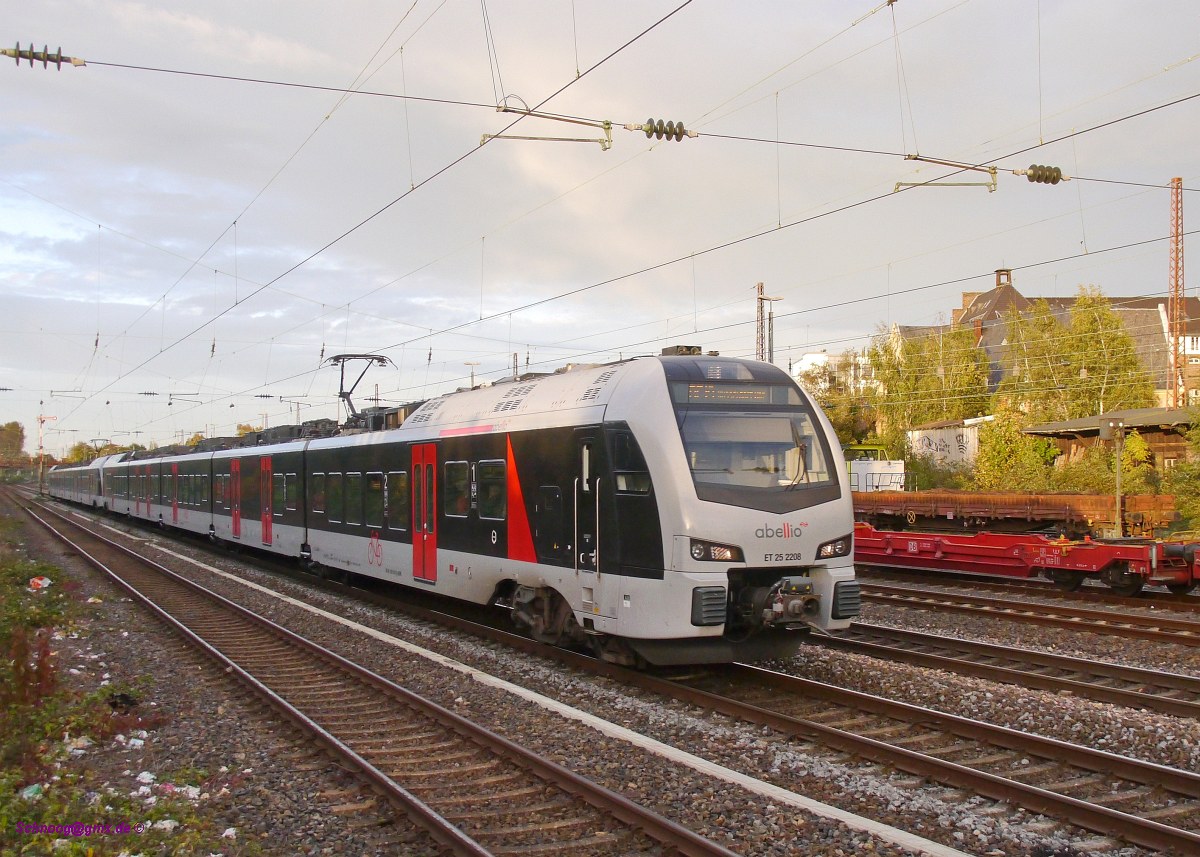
{"x": 1105, "y": 372}
{"x": 79, "y": 453}
{"x": 1009, "y": 460}
{"x": 1184, "y": 478}
{"x": 839, "y": 393}
{"x": 1037, "y": 364}
{"x": 1087, "y": 366}
{"x": 940, "y": 376}
{"x": 12, "y": 444}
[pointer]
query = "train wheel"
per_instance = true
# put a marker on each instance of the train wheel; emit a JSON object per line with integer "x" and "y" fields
{"x": 1181, "y": 588}
{"x": 1128, "y": 590}
{"x": 1068, "y": 581}
{"x": 1122, "y": 581}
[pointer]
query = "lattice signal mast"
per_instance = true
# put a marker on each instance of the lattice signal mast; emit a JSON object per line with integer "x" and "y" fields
{"x": 1175, "y": 303}
{"x": 764, "y": 344}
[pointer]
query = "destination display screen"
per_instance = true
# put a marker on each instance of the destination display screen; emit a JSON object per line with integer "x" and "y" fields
{"x": 710, "y": 393}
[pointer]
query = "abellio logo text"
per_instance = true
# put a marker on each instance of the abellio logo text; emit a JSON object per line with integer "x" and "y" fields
{"x": 786, "y": 530}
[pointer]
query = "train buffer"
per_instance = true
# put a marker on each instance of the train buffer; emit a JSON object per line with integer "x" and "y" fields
{"x": 1125, "y": 565}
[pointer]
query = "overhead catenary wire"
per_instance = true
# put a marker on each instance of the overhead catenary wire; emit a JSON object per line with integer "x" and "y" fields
{"x": 510, "y": 316}
{"x": 447, "y": 167}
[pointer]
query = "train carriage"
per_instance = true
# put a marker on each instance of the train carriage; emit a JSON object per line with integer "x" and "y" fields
{"x": 116, "y": 483}
{"x": 185, "y": 496}
{"x": 256, "y": 497}
{"x": 80, "y": 484}
{"x": 679, "y": 509}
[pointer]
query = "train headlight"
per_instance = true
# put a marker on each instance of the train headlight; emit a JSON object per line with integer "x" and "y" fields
{"x": 836, "y": 548}
{"x": 712, "y": 552}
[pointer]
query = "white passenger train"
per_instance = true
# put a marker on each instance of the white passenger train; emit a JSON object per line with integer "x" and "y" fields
{"x": 674, "y": 509}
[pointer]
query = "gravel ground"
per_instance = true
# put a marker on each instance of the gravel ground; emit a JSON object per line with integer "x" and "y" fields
{"x": 266, "y": 793}
{"x": 280, "y": 801}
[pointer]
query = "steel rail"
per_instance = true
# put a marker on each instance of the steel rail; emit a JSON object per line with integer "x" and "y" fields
{"x": 674, "y": 837}
{"x": 1092, "y": 817}
{"x": 1155, "y": 628}
{"x": 441, "y": 830}
{"x": 1147, "y": 599}
{"x": 888, "y": 645}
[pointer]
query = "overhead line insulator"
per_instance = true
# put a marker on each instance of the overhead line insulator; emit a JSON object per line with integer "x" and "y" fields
{"x": 659, "y": 129}
{"x": 43, "y": 56}
{"x": 1042, "y": 174}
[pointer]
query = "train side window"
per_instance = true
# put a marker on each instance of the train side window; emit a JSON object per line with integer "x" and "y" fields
{"x": 278, "y": 492}
{"x": 456, "y": 492}
{"x": 493, "y": 499}
{"x": 397, "y": 501}
{"x": 354, "y": 499}
{"x": 291, "y": 491}
{"x": 318, "y": 493}
{"x": 373, "y": 500}
{"x": 333, "y": 497}
{"x": 202, "y": 497}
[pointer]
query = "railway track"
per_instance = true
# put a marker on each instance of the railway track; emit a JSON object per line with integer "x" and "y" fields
{"x": 1159, "y": 629}
{"x": 1036, "y": 587}
{"x": 1136, "y": 802}
{"x": 1131, "y": 801}
{"x": 474, "y": 792}
{"x": 1167, "y": 693}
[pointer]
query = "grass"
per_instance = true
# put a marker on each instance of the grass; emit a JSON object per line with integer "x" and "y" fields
{"x": 45, "y": 723}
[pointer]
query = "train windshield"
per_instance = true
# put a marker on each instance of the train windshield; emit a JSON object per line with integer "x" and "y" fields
{"x": 759, "y": 446}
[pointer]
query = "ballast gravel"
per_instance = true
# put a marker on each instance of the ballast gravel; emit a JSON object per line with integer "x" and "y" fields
{"x": 294, "y": 802}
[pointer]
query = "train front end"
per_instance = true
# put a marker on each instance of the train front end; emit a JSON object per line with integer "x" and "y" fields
{"x": 755, "y": 513}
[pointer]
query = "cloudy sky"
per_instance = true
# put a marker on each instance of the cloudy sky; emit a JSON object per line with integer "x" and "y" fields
{"x": 229, "y": 193}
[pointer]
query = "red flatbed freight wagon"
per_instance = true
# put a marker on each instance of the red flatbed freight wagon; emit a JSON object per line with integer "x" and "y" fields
{"x": 1125, "y": 566}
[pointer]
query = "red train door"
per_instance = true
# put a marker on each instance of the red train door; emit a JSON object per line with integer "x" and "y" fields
{"x": 265, "y": 498}
{"x": 235, "y": 496}
{"x": 424, "y": 468}
{"x": 174, "y": 489}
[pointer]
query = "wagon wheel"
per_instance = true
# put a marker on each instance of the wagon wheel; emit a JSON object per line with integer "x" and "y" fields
{"x": 1066, "y": 579}
{"x": 1128, "y": 589}
{"x": 1181, "y": 588}
{"x": 1122, "y": 581}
